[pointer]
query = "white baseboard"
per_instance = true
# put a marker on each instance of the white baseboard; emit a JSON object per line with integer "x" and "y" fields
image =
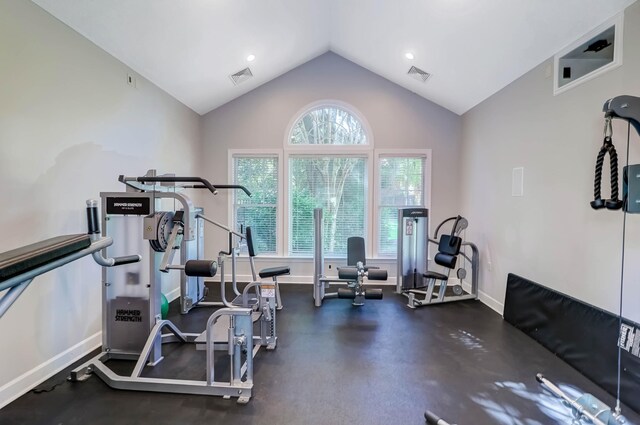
{"x": 27, "y": 381}
{"x": 486, "y": 299}
{"x": 173, "y": 295}
{"x": 491, "y": 302}
{"x": 294, "y": 279}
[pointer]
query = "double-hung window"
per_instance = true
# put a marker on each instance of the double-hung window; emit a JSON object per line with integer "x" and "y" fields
{"x": 328, "y": 162}
{"x": 327, "y": 168}
{"x": 259, "y": 173}
{"x": 401, "y": 184}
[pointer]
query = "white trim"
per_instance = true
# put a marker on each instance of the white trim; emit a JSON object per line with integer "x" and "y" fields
{"x": 34, "y": 377}
{"x": 296, "y": 280}
{"x": 173, "y": 294}
{"x": 338, "y": 104}
{"x": 486, "y": 299}
{"x": 618, "y": 22}
{"x": 258, "y": 153}
{"x": 285, "y": 244}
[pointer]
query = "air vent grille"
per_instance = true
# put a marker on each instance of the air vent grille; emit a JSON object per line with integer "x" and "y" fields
{"x": 418, "y": 74}
{"x": 241, "y": 76}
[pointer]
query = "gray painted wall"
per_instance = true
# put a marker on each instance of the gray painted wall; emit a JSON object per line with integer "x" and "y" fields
{"x": 551, "y": 235}
{"x": 398, "y": 119}
{"x": 69, "y": 124}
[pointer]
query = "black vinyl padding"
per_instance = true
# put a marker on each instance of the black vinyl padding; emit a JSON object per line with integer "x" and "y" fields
{"x": 373, "y": 294}
{"x": 201, "y": 268}
{"x": 274, "y": 271}
{"x": 445, "y": 260}
{"x": 584, "y": 336}
{"x": 374, "y": 274}
{"x": 29, "y": 257}
{"x": 249, "y": 238}
{"x": 355, "y": 251}
{"x": 346, "y": 293}
{"x": 449, "y": 244}
{"x": 350, "y": 273}
{"x": 435, "y": 275}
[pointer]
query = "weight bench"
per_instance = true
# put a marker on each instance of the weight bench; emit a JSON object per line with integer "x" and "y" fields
{"x": 271, "y": 272}
{"x": 20, "y": 266}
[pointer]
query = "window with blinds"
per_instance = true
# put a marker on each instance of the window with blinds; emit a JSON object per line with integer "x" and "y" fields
{"x": 337, "y": 184}
{"x": 401, "y": 185}
{"x": 260, "y": 175}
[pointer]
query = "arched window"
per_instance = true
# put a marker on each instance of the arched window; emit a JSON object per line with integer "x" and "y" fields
{"x": 328, "y": 161}
{"x": 328, "y": 125}
{"x": 327, "y": 175}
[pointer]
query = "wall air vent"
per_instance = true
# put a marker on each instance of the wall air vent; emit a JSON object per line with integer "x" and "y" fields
{"x": 241, "y": 76}
{"x": 418, "y": 74}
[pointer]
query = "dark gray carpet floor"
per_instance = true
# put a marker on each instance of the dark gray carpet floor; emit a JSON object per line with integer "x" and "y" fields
{"x": 382, "y": 363}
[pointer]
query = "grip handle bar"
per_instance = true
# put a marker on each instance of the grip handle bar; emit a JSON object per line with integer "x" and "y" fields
{"x": 204, "y": 183}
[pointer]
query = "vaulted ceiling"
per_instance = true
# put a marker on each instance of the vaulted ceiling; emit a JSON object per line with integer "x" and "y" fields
{"x": 472, "y": 48}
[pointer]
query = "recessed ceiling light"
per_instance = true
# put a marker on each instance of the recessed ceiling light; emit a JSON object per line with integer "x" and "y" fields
{"x": 250, "y": 58}
{"x": 409, "y": 55}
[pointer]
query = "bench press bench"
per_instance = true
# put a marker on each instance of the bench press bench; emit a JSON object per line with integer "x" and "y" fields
{"x": 20, "y": 266}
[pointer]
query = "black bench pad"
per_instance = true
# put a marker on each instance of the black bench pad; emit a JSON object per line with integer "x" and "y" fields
{"x": 274, "y": 271}
{"x": 21, "y": 260}
{"x": 435, "y": 275}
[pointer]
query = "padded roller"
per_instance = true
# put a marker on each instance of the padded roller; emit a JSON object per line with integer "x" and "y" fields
{"x": 446, "y": 260}
{"x": 350, "y": 273}
{"x": 373, "y": 274}
{"x": 373, "y": 294}
{"x": 201, "y": 268}
{"x": 346, "y": 293}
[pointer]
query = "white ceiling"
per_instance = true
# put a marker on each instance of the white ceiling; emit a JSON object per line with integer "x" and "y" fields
{"x": 473, "y": 48}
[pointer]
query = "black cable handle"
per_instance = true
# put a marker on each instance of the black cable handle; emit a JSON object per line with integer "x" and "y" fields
{"x": 614, "y": 203}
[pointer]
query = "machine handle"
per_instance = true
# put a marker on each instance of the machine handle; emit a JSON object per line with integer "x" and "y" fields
{"x": 172, "y": 179}
{"x": 234, "y": 186}
{"x": 127, "y": 259}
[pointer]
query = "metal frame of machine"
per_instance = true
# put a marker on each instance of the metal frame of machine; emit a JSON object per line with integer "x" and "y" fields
{"x": 413, "y": 254}
{"x": 353, "y": 277}
{"x": 132, "y": 325}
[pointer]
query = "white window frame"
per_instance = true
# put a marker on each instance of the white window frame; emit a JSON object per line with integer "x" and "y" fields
{"x": 372, "y": 180}
{"x": 361, "y": 151}
{"x": 335, "y": 148}
{"x": 259, "y": 153}
{"x": 426, "y": 182}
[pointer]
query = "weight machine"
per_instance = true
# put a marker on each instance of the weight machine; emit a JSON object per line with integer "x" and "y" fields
{"x": 627, "y": 108}
{"x": 353, "y": 275}
{"x": 170, "y": 228}
{"x": 415, "y": 280}
{"x": 132, "y": 326}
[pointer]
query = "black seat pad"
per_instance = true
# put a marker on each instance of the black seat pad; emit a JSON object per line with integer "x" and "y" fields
{"x": 435, "y": 275}
{"x": 274, "y": 271}
{"x": 21, "y": 260}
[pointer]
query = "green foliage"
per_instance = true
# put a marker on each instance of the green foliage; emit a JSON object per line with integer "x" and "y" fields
{"x": 328, "y": 125}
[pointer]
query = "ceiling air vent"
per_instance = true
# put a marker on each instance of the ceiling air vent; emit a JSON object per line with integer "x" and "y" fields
{"x": 418, "y": 74}
{"x": 241, "y": 76}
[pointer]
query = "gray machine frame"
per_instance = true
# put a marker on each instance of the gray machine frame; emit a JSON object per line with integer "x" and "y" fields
{"x": 141, "y": 337}
{"x": 322, "y": 282}
{"x": 413, "y": 253}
